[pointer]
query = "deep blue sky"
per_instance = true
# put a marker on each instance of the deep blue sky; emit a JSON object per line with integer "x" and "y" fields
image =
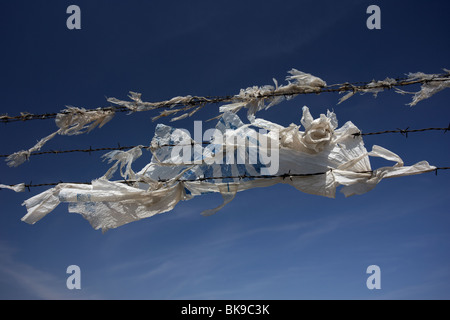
{"x": 274, "y": 243}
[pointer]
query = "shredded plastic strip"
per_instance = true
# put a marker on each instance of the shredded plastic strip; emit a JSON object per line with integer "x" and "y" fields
{"x": 255, "y": 97}
{"x": 73, "y": 122}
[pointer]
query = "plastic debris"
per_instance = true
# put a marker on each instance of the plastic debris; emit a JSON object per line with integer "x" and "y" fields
{"x": 430, "y": 85}
{"x": 316, "y": 160}
{"x": 373, "y": 87}
{"x": 71, "y": 121}
{"x": 17, "y": 188}
{"x": 258, "y": 98}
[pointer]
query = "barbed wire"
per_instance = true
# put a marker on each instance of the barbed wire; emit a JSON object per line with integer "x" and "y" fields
{"x": 76, "y": 150}
{"x": 284, "y": 176}
{"x": 403, "y": 132}
{"x": 26, "y": 116}
{"x": 200, "y": 102}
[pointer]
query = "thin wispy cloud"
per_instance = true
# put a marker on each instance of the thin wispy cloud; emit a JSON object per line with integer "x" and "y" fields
{"x": 31, "y": 282}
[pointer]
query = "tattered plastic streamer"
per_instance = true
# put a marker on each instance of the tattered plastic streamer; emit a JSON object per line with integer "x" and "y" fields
{"x": 373, "y": 87}
{"x": 253, "y": 98}
{"x": 124, "y": 159}
{"x": 429, "y": 88}
{"x": 258, "y": 98}
{"x": 71, "y": 121}
{"x": 430, "y": 85}
{"x": 169, "y": 178}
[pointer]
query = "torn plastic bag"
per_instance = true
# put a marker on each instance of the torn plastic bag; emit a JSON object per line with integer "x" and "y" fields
{"x": 237, "y": 157}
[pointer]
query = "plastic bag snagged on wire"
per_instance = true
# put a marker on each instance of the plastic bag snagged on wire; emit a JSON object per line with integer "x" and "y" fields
{"x": 72, "y": 121}
{"x": 429, "y": 88}
{"x": 238, "y": 157}
{"x": 257, "y": 98}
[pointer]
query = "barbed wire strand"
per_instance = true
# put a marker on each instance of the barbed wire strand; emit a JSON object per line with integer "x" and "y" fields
{"x": 284, "y": 176}
{"x": 201, "y": 101}
{"x": 403, "y": 132}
